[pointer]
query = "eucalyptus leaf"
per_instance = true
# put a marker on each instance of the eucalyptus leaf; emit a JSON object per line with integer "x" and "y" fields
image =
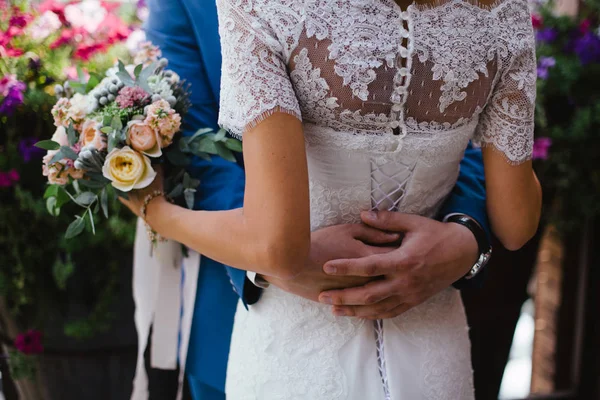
{"x": 51, "y": 206}
{"x": 234, "y": 145}
{"x": 176, "y": 192}
{"x": 68, "y": 153}
{"x": 91, "y": 184}
{"x": 78, "y": 86}
{"x": 86, "y": 198}
{"x": 116, "y": 123}
{"x": 188, "y": 194}
{"x": 92, "y": 222}
{"x": 75, "y": 228}
{"x": 51, "y": 191}
{"x": 142, "y": 79}
{"x": 177, "y": 158}
{"x": 92, "y": 83}
{"x": 57, "y": 157}
{"x": 106, "y": 129}
{"x": 137, "y": 70}
{"x": 124, "y": 76}
{"x": 72, "y": 135}
{"x": 225, "y": 153}
{"x": 80, "y": 74}
{"x": 186, "y": 180}
{"x": 205, "y": 145}
{"x": 104, "y": 202}
{"x": 106, "y": 120}
{"x": 220, "y": 135}
{"x": 48, "y": 145}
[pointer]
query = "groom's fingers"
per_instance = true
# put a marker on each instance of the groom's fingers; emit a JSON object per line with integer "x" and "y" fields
{"x": 370, "y": 266}
{"x": 370, "y": 312}
{"x": 373, "y": 293}
{"x": 391, "y": 220}
{"x": 370, "y": 235}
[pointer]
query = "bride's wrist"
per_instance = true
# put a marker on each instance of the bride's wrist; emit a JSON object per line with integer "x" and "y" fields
{"x": 154, "y": 212}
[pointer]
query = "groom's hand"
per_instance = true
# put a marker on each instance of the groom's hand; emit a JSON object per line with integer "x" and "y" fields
{"x": 340, "y": 241}
{"x": 433, "y": 256}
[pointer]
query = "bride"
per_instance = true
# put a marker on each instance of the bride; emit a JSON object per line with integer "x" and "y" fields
{"x": 347, "y": 106}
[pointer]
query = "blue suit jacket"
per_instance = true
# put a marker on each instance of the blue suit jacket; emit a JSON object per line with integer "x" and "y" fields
{"x": 187, "y": 33}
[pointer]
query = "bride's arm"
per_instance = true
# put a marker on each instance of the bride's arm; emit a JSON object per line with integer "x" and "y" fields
{"x": 271, "y": 233}
{"x": 514, "y": 199}
{"x": 505, "y": 129}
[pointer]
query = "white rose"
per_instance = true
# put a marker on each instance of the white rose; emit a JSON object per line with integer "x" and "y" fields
{"x": 127, "y": 169}
{"x": 60, "y": 136}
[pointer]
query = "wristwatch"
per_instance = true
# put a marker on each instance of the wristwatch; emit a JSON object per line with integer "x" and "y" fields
{"x": 485, "y": 248}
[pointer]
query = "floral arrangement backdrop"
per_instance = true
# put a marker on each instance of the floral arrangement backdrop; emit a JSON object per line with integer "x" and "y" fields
{"x": 41, "y": 46}
{"x": 567, "y": 146}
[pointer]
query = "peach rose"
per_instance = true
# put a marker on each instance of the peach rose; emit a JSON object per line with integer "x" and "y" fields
{"x": 143, "y": 138}
{"x": 91, "y": 135}
{"x": 127, "y": 169}
{"x": 60, "y": 136}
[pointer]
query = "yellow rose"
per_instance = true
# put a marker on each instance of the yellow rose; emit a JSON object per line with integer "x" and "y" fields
{"x": 143, "y": 139}
{"x": 127, "y": 169}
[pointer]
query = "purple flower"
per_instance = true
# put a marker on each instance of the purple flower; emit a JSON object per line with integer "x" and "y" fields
{"x": 28, "y": 150}
{"x": 541, "y": 146}
{"x": 544, "y": 65}
{"x": 29, "y": 342}
{"x": 587, "y": 48}
{"x": 547, "y": 35}
{"x": 13, "y": 92}
{"x": 8, "y": 179}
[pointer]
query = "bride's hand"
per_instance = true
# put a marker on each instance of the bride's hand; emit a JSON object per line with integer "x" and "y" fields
{"x": 136, "y": 197}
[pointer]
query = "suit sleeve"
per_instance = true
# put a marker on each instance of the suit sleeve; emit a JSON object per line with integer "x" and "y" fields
{"x": 221, "y": 182}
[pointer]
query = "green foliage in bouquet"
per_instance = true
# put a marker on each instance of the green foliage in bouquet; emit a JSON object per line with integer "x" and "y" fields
{"x": 567, "y": 142}
{"x": 40, "y": 47}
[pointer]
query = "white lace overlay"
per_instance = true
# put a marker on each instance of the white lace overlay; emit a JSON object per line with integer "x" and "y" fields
{"x": 389, "y": 100}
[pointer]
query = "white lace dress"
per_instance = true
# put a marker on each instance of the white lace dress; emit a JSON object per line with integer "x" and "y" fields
{"x": 389, "y": 99}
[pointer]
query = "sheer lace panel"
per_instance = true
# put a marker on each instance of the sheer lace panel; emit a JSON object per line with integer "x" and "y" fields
{"x": 370, "y": 67}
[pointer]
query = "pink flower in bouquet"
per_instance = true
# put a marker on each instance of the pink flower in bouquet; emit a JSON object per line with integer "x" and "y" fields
{"x": 148, "y": 54}
{"x": 132, "y": 97}
{"x": 29, "y": 342}
{"x": 541, "y": 147}
{"x": 8, "y": 179}
{"x": 164, "y": 120}
{"x": 60, "y": 112}
{"x": 143, "y": 138}
{"x": 91, "y": 135}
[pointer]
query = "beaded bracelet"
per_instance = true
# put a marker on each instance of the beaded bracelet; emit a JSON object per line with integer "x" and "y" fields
{"x": 153, "y": 236}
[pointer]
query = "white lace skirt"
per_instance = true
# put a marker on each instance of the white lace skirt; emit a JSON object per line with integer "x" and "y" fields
{"x": 287, "y": 348}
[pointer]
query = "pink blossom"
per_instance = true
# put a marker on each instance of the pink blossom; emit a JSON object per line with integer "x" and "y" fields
{"x": 132, "y": 96}
{"x": 29, "y": 342}
{"x": 8, "y": 179}
{"x": 162, "y": 118}
{"x": 536, "y": 21}
{"x": 60, "y": 112}
{"x": 584, "y": 26}
{"x": 541, "y": 147}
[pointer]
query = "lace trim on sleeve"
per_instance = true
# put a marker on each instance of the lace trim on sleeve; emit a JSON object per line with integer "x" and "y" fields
{"x": 255, "y": 83}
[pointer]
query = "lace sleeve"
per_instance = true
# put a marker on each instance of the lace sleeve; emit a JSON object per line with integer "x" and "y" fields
{"x": 254, "y": 82}
{"x": 507, "y": 122}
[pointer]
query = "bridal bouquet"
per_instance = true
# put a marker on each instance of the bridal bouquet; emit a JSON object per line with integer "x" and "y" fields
{"x": 112, "y": 131}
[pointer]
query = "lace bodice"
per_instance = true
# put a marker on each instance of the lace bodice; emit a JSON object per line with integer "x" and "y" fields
{"x": 367, "y": 67}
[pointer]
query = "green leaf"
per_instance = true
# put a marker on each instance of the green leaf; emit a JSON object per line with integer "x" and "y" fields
{"x": 186, "y": 180}
{"x": 62, "y": 271}
{"x": 205, "y": 145}
{"x": 116, "y": 123}
{"x": 106, "y": 120}
{"x": 72, "y": 135}
{"x": 75, "y": 228}
{"x": 92, "y": 184}
{"x": 234, "y": 145}
{"x": 177, "y": 157}
{"x": 137, "y": 70}
{"x": 92, "y": 222}
{"x": 106, "y": 129}
{"x": 51, "y": 206}
{"x": 77, "y": 86}
{"x": 57, "y": 157}
{"x": 104, "y": 202}
{"x": 176, "y": 192}
{"x": 220, "y": 135}
{"x": 142, "y": 79}
{"x": 225, "y": 153}
{"x": 124, "y": 76}
{"x": 188, "y": 194}
{"x": 86, "y": 198}
{"x": 92, "y": 83}
{"x": 68, "y": 153}
{"x": 51, "y": 191}
{"x": 48, "y": 145}
{"x": 80, "y": 74}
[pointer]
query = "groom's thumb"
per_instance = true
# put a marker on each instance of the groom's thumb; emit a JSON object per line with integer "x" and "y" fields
{"x": 390, "y": 221}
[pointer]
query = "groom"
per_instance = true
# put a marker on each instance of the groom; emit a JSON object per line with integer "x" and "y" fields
{"x": 432, "y": 257}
